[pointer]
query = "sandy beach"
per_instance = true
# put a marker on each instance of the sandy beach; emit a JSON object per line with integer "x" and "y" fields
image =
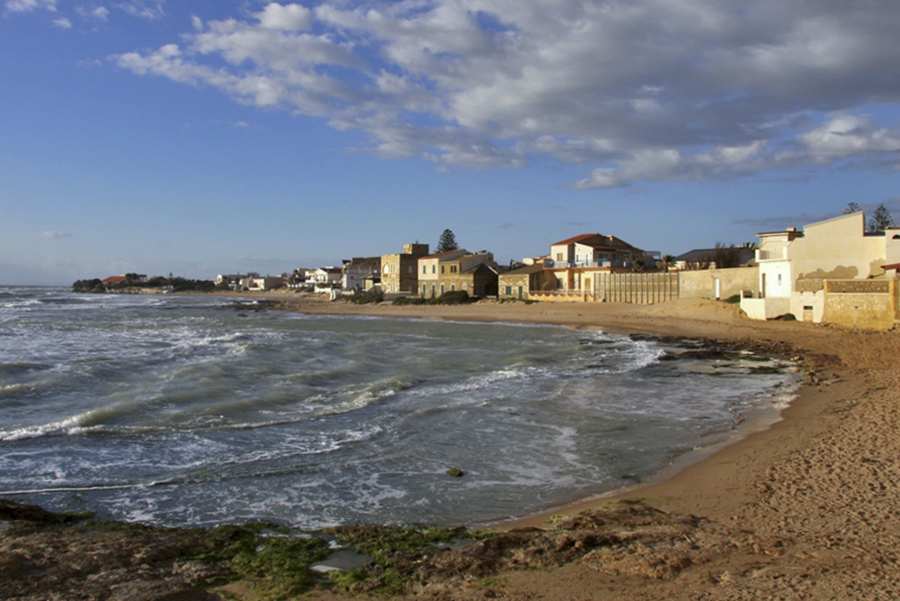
{"x": 805, "y": 509}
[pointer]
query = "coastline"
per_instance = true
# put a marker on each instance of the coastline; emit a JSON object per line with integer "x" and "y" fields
{"x": 661, "y": 489}
{"x": 805, "y": 507}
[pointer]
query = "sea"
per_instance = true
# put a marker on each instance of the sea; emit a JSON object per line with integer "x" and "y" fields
{"x": 202, "y": 410}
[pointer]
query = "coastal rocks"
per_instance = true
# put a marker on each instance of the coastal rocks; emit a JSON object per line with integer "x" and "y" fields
{"x": 12, "y": 565}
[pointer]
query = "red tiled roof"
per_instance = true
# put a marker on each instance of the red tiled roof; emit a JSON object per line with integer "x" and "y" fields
{"x": 114, "y": 279}
{"x": 575, "y": 239}
{"x": 603, "y": 241}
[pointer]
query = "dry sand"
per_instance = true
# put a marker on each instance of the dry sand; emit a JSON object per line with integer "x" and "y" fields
{"x": 806, "y": 509}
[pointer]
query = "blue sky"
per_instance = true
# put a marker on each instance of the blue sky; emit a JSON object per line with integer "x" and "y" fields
{"x": 204, "y": 137}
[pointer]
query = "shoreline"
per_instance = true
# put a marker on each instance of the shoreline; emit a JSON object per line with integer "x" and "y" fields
{"x": 803, "y": 508}
{"x": 660, "y": 485}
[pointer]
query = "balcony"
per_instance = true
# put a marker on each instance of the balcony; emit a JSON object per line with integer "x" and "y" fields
{"x": 774, "y": 254}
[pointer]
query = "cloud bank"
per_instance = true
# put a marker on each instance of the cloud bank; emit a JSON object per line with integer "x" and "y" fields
{"x": 629, "y": 90}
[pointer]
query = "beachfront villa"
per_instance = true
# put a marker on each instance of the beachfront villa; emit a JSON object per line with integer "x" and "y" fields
{"x": 575, "y": 262}
{"x": 832, "y": 271}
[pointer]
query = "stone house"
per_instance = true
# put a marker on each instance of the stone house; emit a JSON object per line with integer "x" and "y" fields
{"x": 517, "y": 283}
{"x": 399, "y": 272}
{"x": 473, "y": 273}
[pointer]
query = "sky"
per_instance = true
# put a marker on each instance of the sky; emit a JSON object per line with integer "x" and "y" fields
{"x": 209, "y": 136}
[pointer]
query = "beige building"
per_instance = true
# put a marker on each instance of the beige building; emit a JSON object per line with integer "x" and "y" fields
{"x": 474, "y": 273}
{"x": 798, "y": 270}
{"x": 399, "y": 272}
{"x": 518, "y": 283}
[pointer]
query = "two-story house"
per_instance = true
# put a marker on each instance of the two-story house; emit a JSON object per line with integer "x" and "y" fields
{"x": 458, "y": 270}
{"x": 574, "y": 261}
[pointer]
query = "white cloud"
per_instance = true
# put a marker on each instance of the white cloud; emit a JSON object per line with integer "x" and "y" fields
{"x": 637, "y": 90}
{"x": 54, "y": 235}
{"x": 845, "y": 136}
{"x": 62, "y": 23}
{"x": 291, "y": 17}
{"x": 99, "y": 13}
{"x": 22, "y": 6}
{"x": 143, "y": 9}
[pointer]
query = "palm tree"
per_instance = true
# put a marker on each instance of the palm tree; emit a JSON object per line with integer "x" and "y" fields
{"x": 639, "y": 265}
{"x": 668, "y": 261}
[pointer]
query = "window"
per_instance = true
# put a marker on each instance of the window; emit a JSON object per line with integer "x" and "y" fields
{"x": 424, "y": 269}
{"x": 393, "y": 269}
{"x": 434, "y": 269}
{"x": 385, "y": 268}
{"x": 442, "y": 269}
{"x": 453, "y": 269}
{"x": 559, "y": 256}
{"x": 509, "y": 291}
{"x": 442, "y": 289}
{"x": 452, "y": 287}
{"x": 424, "y": 289}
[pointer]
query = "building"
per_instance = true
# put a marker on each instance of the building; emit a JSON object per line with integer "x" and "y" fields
{"x": 710, "y": 258}
{"x": 458, "y": 270}
{"x": 574, "y": 262}
{"x": 399, "y": 272}
{"x": 265, "y": 283}
{"x": 809, "y": 274}
{"x": 297, "y": 278}
{"x": 325, "y": 279}
{"x": 356, "y": 270}
{"x": 517, "y": 283}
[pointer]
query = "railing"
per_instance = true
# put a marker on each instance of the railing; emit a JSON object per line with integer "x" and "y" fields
{"x": 572, "y": 264}
{"x": 769, "y": 255}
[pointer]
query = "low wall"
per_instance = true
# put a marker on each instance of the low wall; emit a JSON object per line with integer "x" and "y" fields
{"x": 702, "y": 283}
{"x": 860, "y": 304}
{"x": 765, "y": 308}
{"x": 561, "y": 296}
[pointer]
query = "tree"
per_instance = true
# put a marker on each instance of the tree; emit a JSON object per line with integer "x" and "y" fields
{"x": 639, "y": 264}
{"x": 880, "y": 221}
{"x": 852, "y": 208}
{"x": 726, "y": 257}
{"x": 447, "y": 242}
{"x": 668, "y": 261}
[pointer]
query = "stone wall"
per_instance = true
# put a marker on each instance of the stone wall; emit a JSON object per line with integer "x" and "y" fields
{"x": 857, "y": 304}
{"x": 702, "y": 283}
